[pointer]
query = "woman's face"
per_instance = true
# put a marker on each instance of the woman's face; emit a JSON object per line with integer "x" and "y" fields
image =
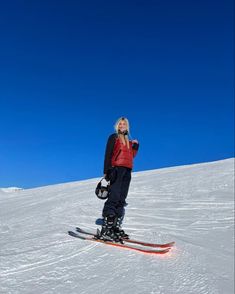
{"x": 122, "y": 126}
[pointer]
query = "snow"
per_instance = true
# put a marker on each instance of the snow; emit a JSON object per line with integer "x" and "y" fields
{"x": 191, "y": 205}
{"x": 10, "y": 189}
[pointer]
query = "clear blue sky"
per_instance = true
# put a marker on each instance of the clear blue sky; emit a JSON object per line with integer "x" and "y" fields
{"x": 69, "y": 69}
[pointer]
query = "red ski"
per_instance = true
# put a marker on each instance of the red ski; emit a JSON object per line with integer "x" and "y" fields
{"x": 154, "y": 245}
{"x": 148, "y": 251}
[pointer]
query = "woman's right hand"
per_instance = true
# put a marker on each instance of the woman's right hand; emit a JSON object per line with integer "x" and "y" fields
{"x": 106, "y": 177}
{"x": 110, "y": 175}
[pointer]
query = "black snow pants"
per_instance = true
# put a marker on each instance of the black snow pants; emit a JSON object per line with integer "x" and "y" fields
{"x": 119, "y": 185}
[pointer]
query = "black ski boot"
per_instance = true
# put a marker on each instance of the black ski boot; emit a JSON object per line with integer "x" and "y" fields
{"x": 107, "y": 232}
{"x": 118, "y": 230}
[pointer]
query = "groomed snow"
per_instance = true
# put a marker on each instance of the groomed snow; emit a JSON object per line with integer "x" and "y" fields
{"x": 191, "y": 205}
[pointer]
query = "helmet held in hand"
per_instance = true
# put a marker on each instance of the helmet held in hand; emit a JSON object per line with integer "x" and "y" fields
{"x": 101, "y": 191}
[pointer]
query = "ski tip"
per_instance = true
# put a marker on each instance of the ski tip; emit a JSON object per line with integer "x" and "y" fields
{"x": 166, "y": 250}
{"x": 79, "y": 229}
{"x": 169, "y": 244}
{"x": 70, "y": 233}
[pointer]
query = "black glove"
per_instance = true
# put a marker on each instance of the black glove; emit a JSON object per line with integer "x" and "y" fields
{"x": 106, "y": 177}
{"x": 111, "y": 175}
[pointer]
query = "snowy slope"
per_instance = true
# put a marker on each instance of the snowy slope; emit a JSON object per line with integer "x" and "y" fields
{"x": 9, "y": 190}
{"x": 192, "y": 205}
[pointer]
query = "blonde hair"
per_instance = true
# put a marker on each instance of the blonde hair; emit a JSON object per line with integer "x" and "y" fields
{"x": 118, "y": 121}
{"x": 125, "y": 140}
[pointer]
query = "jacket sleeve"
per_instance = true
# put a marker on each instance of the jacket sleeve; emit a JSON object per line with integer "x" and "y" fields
{"x": 109, "y": 152}
{"x": 135, "y": 148}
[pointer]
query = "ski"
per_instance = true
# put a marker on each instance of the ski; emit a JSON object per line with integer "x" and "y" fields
{"x": 90, "y": 238}
{"x": 154, "y": 245}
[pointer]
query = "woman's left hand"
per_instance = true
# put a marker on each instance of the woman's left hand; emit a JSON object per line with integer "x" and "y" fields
{"x": 135, "y": 141}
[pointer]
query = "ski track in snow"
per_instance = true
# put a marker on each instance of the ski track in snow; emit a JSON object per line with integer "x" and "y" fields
{"x": 192, "y": 205}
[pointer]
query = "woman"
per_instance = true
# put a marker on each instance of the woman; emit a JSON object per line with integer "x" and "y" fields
{"x": 118, "y": 165}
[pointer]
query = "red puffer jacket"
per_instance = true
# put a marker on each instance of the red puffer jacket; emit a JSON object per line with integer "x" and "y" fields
{"x": 122, "y": 156}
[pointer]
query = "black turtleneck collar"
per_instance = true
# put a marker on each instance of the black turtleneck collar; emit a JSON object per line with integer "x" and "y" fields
{"x": 123, "y": 133}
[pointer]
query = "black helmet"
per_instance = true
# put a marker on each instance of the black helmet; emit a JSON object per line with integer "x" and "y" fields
{"x": 102, "y": 192}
